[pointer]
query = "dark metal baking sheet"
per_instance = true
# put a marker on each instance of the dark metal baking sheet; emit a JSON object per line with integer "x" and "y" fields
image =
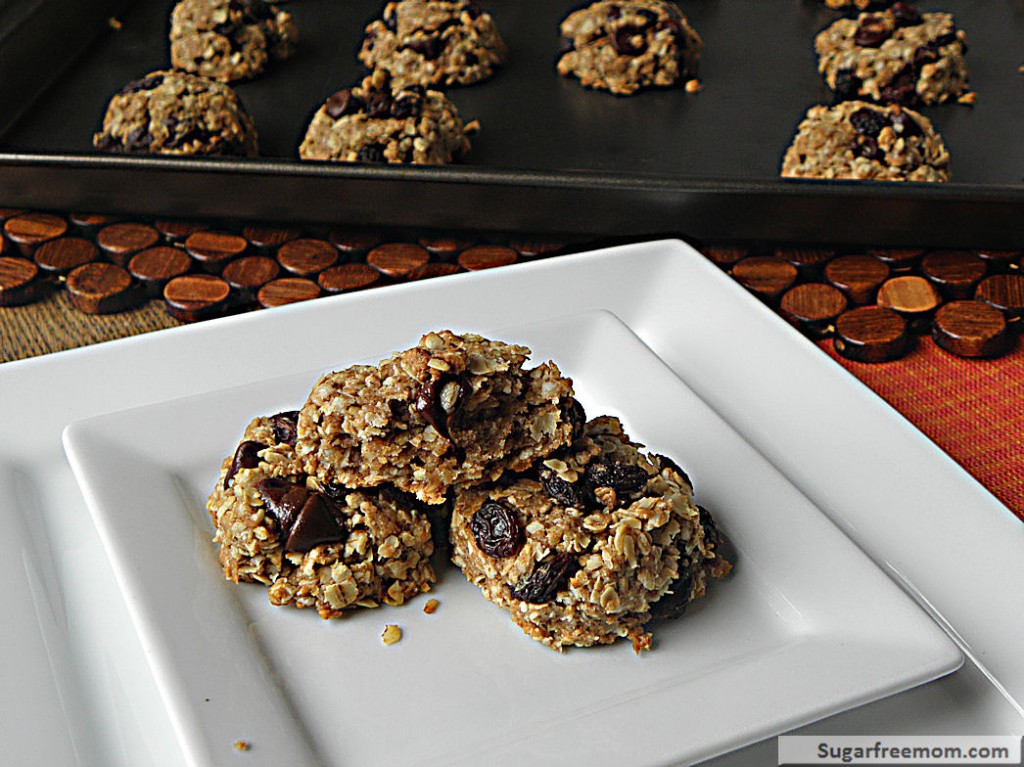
{"x": 551, "y": 156}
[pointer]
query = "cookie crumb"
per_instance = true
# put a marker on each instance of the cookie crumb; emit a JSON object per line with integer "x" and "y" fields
{"x": 693, "y": 86}
{"x": 431, "y": 606}
{"x": 967, "y": 99}
{"x": 240, "y": 745}
{"x": 391, "y": 634}
{"x": 115, "y": 24}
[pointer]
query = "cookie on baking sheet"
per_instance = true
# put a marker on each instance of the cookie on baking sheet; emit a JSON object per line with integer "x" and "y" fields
{"x": 379, "y": 122}
{"x": 176, "y": 113}
{"x": 434, "y": 43}
{"x": 857, "y": 140}
{"x": 626, "y": 46}
{"x": 322, "y": 546}
{"x": 897, "y": 55}
{"x": 580, "y": 552}
{"x": 230, "y": 40}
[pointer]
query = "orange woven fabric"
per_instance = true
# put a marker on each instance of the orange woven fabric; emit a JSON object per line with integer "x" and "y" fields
{"x": 972, "y": 409}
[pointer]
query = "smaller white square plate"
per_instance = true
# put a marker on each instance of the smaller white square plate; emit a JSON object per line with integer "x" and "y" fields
{"x": 806, "y": 626}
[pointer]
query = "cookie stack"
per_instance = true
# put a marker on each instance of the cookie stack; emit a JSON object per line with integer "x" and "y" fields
{"x": 878, "y": 64}
{"x": 564, "y": 523}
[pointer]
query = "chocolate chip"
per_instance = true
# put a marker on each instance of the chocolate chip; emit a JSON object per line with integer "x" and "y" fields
{"x": 623, "y": 41}
{"x": 245, "y": 457}
{"x": 905, "y": 15}
{"x": 342, "y": 103}
{"x": 847, "y": 84}
{"x": 868, "y": 122}
{"x": 285, "y": 426}
{"x": 872, "y": 32}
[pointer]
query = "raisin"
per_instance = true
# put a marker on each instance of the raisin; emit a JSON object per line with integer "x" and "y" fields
{"x": 947, "y": 39}
{"x": 371, "y": 153}
{"x": 561, "y": 491}
{"x": 905, "y": 125}
{"x": 872, "y": 32}
{"x": 868, "y": 122}
{"x": 623, "y": 478}
{"x": 614, "y": 11}
{"x": 899, "y": 94}
{"x": 256, "y": 10}
{"x": 245, "y": 457}
{"x": 711, "y": 535}
{"x": 145, "y": 84}
{"x": 285, "y": 426}
{"x": 624, "y": 44}
{"x": 496, "y": 530}
{"x": 668, "y": 463}
{"x": 378, "y": 103}
{"x": 905, "y": 15}
{"x": 427, "y": 47}
{"x": 576, "y": 417}
{"x": 924, "y": 55}
{"x": 391, "y": 20}
{"x": 405, "y": 106}
{"x": 547, "y": 579}
{"x": 847, "y": 84}
{"x": 867, "y": 147}
{"x": 672, "y": 606}
{"x": 650, "y": 17}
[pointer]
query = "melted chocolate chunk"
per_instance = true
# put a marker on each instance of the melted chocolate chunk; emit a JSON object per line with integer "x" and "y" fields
{"x": 439, "y": 400}
{"x": 305, "y": 518}
{"x": 286, "y": 426}
{"x": 547, "y": 579}
{"x": 496, "y": 529}
{"x": 245, "y": 457}
{"x": 342, "y": 103}
{"x": 872, "y": 32}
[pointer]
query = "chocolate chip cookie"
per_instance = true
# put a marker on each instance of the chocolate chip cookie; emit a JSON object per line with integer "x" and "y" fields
{"x": 625, "y": 46}
{"x": 169, "y": 112}
{"x": 230, "y": 40}
{"x": 378, "y": 121}
{"x": 858, "y": 140}
{"x": 434, "y": 42}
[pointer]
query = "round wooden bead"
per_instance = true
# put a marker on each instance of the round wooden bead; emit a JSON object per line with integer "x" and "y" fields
{"x": 897, "y": 259}
{"x": 813, "y": 307}
{"x": 29, "y": 230}
{"x": 20, "y": 282}
{"x": 486, "y": 257}
{"x": 62, "y": 255}
{"x": 89, "y": 222}
{"x": 433, "y": 269}
{"x": 348, "y": 277}
{"x": 155, "y": 267}
{"x": 536, "y": 248}
{"x": 287, "y": 290}
{"x": 212, "y": 250}
{"x": 101, "y": 288}
{"x": 954, "y": 272}
{"x": 724, "y": 256}
{"x": 808, "y": 261}
{"x": 122, "y": 241}
{"x": 970, "y": 329}
{"x": 251, "y": 272}
{"x": 6, "y": 213}
{"x": 765, "y": 276}
{"x": 353, "y": 242}
{"x": 179, "y": 231}
{"x": 911, "y": 296}
{"x": 306, "y": 257}
{"x": 194, "y": 297}
{"x": 871, "y": 334}
{"x": 444, "y": 248}
{"x": 397, "y": 259}
{"x": 1005, "y": 292}
{"x": 858, "y": 276}
{"x": 268, "y": 238}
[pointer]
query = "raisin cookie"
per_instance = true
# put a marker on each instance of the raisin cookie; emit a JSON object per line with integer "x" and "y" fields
{"x": 230, "y": 40}
{"x": 318, "y": 546}
{"x": 177, "y": 113}
{"x": 857, "y": 140}
{"x": 434, "y": 42}
{"x": 453, "y": 409}
{"x": 580, "y": 552}
{"x": 898, "y": 55}
{"x": 380, "y": 122}
{"x": 627, "y": 45}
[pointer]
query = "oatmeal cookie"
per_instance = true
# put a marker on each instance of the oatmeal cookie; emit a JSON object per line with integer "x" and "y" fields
{"x": 230, "y": 40}
{"x": 897, "y": 55}
{"x": 453, "y": 409}
{"x": 322, "y": 546}
{"x": 580, "y": 552}
{"x": 434, "y": 42}
{"x": 857, "y": 140}
{"x": 624, "y": 46}
{"x": 377, "y": 121}
{"x": 176, "y": 113}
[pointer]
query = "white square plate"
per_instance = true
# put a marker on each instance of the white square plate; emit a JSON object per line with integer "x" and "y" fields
{"x": 806, "y": 627}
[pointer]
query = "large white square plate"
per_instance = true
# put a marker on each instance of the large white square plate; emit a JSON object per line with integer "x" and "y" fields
{"x": 807, "y": 626}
